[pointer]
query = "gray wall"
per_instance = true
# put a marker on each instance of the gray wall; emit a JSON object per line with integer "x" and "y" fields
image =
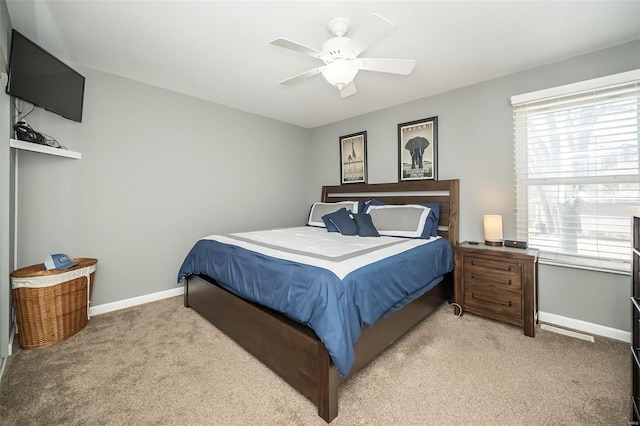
{"x": 476, "y": 146}
{"x": 158, "y": 171}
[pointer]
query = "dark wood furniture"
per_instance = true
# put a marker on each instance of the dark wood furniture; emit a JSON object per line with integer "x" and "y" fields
{"x": 293, "y": 350}
{"x": 635, "y": 319}
{"x": 498, "y": 283}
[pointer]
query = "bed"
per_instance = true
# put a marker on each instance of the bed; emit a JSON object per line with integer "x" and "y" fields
{"x": 294, "y": 350}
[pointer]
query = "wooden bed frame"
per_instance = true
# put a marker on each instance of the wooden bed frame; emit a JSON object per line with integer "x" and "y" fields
{"x": 292, "y": 350}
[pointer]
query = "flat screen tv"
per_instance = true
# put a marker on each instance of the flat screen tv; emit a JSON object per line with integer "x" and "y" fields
{"x": 38, "y": 77}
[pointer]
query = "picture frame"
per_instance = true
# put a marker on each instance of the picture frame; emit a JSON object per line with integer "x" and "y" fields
{"x": 418, "y": 149}
{"x": 353, "y": 158}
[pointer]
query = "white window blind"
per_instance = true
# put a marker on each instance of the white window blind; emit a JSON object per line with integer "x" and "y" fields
{"x": 577, "y": 172}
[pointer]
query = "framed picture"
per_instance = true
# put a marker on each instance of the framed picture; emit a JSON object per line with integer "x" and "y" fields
{"x": 353, "y": 158}
{"x": 418, "y": 149}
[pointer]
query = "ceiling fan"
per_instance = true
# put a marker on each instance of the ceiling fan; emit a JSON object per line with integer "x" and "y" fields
{"x": 340, "y": 54}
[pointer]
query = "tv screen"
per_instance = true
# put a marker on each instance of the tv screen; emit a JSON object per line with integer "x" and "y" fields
{"x": 41, "y": 79}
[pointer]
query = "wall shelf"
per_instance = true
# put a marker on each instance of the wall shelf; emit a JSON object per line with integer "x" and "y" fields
{"x": 34, "y": 147}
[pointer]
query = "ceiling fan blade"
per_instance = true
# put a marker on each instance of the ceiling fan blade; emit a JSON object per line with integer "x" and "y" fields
{"x": 392, "y": 66}
{"x": 297, "y": 47}
{"x": 371, "y": 31}
{"x": 348, "y": 90}
{"x": 303, "y": 76}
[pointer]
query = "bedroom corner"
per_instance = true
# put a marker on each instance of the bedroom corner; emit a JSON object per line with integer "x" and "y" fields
{"x": 6, "y": 228}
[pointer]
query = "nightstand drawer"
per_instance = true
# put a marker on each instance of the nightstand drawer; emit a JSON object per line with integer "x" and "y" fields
{"x": 493, "y": 300}
{"x": 481, "y": 263}
{"x": 482, "y": 271}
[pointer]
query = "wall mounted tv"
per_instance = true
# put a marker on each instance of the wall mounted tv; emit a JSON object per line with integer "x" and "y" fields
{"x": 41, "y": 79}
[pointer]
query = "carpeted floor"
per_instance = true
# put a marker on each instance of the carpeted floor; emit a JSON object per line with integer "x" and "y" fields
{"x": 163, "y": 364}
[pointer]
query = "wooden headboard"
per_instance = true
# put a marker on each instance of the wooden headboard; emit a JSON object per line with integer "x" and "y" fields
{"x": 444, "y": 192}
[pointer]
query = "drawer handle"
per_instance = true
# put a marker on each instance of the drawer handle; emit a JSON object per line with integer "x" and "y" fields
{"x": 509, "y": 267}
{"x": 479, "y": 277}
{"x": 499, "y": 302}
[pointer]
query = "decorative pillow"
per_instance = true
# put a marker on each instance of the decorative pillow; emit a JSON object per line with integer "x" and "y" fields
{"x": 431, "y": 226}
{"x": 342, "y": 221}
{"x": 366, "y": 228}
{"x": 320, "y": 209}
{"x": 407, "y": 220}
{"x": 432, "y": 219}
{"x": 327, "y": 222}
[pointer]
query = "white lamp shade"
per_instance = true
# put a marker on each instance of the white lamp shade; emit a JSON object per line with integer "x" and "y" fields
{"x": 492, "y": 229}
{"x": 339, "y": 73}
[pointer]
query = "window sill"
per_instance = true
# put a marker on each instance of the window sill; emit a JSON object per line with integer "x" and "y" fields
{"x": 619, "y": 268}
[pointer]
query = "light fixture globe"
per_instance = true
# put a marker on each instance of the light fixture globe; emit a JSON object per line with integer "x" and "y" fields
{"x": 339, "y": 73}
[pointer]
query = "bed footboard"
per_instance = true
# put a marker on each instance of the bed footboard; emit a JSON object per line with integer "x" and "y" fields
{"x": 292, "y": 350}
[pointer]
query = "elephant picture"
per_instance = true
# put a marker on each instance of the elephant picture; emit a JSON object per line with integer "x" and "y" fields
{"x": 353, "y": 158}
{"x": 417, "y": 149}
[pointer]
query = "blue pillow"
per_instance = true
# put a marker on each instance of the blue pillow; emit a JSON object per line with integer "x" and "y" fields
{"x": 432, "y": 220}
{"x": 342, "y": 222}
{"x": 327, "y": 223}
{"x": 366, "y": 228}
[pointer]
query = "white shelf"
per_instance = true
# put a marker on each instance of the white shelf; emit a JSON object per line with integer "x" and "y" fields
{"x": 44, "y": 149}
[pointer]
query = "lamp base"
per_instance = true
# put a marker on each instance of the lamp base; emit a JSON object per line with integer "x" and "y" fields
{"x": 493, "y": 243}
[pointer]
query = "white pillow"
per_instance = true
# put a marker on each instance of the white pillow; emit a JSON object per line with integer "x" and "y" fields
{"x": 320, "y": 209}
{"x": 406, "y": 220}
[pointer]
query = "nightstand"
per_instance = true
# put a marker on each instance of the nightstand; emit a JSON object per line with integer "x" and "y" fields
{"x": 498, "y": 283}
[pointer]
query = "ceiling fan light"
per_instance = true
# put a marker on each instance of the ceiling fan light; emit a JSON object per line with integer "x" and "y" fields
{"x": 339, "y": 73}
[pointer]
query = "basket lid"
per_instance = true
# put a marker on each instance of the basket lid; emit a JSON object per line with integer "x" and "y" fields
{"x": 39, "y": 271}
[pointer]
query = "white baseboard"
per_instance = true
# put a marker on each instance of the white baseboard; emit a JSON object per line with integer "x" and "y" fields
{"x": 12, "y": 336}
{"x": 585, "y": 327}
{"x": 3, "y": 361}
{"x": 134, "y": 301}
{"x": 571, "y": 323}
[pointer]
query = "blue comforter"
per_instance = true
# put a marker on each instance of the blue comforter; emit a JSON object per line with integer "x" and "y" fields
{"x": 336, "y": 309}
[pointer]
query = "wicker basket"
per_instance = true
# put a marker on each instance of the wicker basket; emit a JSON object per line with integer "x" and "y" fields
{"x": 52, "y": 305}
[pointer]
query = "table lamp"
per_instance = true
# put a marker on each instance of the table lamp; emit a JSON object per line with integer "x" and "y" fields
{"x": 492, "y": 229}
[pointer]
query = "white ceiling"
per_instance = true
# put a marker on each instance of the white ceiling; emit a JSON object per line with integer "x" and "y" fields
{"x": 220, "y": 50}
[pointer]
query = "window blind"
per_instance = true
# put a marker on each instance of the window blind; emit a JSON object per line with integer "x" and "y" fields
{"x": 577, "y": 174}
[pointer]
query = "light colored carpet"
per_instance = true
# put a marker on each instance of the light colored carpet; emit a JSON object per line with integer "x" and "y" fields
{"x": 163, "y": 364}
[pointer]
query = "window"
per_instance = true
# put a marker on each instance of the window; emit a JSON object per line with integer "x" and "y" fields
{"x": 577, "y": 171}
